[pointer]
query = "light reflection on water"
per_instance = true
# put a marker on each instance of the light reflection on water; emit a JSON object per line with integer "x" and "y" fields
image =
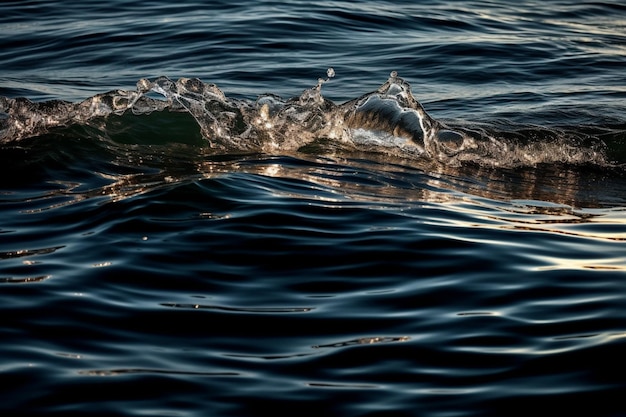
{"x": 325, "y": 281}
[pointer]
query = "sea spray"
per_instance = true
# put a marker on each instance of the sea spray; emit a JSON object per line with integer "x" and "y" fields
{"x": 388, "y": 120}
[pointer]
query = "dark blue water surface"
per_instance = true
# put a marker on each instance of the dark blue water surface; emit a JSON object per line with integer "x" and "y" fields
{"x": 219, "y": 250}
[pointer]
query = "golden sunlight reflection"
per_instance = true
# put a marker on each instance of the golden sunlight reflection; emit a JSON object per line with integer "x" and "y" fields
{"x": 554, "y": 263}
{"x": 610, "y": 236}
{"x": 547, "y": 200}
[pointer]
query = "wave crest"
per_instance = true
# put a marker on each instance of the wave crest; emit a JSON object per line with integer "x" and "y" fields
{"x": 389, "y": 120}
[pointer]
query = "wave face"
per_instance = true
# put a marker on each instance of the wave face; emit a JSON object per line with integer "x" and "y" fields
{"x": 388, "y": 120}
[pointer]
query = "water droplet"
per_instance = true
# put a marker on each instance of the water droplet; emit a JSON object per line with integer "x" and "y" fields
{"x": 264, "y": 112}
{"x": 330, "y": 72}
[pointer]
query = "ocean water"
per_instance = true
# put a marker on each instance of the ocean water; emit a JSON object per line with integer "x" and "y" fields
{"x": 312, "y": 208}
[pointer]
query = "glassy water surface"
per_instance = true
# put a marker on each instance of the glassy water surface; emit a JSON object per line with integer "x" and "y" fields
{"x": 199, "y": 217}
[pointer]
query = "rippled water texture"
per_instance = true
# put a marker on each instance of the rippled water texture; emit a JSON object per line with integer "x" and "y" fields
{"x": 192, "y": 224}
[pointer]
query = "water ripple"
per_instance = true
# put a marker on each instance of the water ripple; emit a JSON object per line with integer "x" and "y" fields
{"x": 130, "y": 371}
{"x": 261, "y": 310}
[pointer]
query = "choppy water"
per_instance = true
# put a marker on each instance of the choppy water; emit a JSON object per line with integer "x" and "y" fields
{"x": 192, "y": 224}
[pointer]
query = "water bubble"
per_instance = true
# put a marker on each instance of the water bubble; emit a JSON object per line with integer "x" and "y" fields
{"x": 330, "y": 72}
{"x": 144, "y": 85}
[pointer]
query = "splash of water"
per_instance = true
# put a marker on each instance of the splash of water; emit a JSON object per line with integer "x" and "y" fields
{"x": 389, "y": 120}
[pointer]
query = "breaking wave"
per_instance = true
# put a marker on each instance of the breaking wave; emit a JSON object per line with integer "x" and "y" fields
{"x": 388, "y": 120}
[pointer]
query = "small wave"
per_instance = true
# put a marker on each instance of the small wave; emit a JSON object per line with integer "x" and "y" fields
{"x": 363, "y": 341}
{"x": 23, "y": 280}
{"x": 131, "y": 371}
{"x": 29, "y": 252}
{"x": 260, "y": 310}
{"x": 388, "y": 120}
